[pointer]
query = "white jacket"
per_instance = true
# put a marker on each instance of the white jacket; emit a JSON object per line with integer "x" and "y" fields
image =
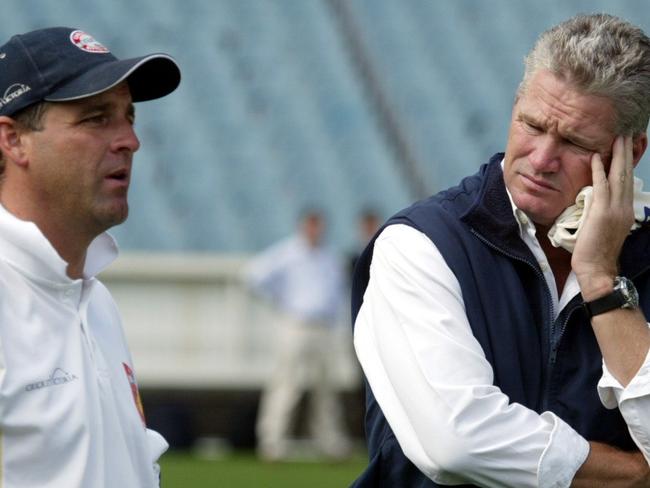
{"x": 70, "y": 412}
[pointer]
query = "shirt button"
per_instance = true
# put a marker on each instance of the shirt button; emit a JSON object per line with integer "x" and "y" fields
{"x": 544, "y": 266}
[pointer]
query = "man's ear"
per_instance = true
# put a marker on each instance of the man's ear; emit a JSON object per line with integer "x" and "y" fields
{"x": 11, "y": 143}
{"x": 639, "y": 145}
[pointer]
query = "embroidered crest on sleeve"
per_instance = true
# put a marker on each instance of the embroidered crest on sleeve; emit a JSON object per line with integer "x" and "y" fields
{"x": 134, "y": 389}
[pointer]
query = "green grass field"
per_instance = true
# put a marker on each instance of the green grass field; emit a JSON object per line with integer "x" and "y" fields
{"x": 244, "y": 470}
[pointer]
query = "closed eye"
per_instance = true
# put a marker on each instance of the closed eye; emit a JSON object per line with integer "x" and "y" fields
{"x": 580, "y": 148}
{"x": 96, "y": 119}
{"x": 578, "y": 145}
{"x": 532, "y": 127}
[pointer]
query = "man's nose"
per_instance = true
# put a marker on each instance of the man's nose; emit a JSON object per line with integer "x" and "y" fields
{"x": 126, "y": 138}
{"x": 545, "y": 157}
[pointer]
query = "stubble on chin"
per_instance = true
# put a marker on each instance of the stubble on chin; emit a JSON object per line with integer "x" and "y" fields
{"x": 110, "y": 216}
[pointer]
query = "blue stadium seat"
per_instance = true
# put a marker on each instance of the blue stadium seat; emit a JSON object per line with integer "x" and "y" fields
{"x": 272, "y": 115}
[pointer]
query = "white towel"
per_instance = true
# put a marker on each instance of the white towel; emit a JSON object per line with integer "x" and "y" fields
{"x": 566, "y": 228}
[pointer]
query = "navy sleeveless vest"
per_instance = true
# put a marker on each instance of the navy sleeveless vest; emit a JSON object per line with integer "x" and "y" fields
{"x": 542, "y": 363}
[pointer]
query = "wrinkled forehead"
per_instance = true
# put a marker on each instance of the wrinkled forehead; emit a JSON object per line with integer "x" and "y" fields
{"x": 558, "y": 103}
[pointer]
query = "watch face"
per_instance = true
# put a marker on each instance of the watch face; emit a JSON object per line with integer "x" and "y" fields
{"x": 628, "y": 290}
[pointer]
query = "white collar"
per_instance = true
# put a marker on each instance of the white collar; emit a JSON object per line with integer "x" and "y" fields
{"x": 24, "y": 246}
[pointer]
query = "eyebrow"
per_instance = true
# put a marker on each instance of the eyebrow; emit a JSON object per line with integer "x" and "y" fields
{"x": 87, "y": 109}
{"x": 568, "y": 135}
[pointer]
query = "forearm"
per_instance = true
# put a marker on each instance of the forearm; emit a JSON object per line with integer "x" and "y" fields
{"x": 624, "y": 339}
{"x": 622, "y": 334}
{"x": 612, "y": 468}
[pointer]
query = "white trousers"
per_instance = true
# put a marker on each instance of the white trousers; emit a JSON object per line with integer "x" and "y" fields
{"x": 303, "y": 363}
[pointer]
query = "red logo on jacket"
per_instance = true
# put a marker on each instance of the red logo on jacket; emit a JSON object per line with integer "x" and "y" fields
{"x": 134, "y": 389}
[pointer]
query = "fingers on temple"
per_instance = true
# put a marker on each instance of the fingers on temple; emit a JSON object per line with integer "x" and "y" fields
{"x": 599, "y": 177}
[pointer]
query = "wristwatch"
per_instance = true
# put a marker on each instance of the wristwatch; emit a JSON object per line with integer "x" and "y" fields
{"x": 624, "y": 295}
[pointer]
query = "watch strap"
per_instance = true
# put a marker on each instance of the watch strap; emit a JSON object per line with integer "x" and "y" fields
{"x": 613, "y": 300}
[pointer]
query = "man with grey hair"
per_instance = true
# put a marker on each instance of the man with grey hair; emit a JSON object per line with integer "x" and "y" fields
{"x": 498, "y": 322}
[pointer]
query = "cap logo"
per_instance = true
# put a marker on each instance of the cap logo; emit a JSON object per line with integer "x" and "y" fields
{"x": 13, "y": 92}
{"x": 86, "y": 42}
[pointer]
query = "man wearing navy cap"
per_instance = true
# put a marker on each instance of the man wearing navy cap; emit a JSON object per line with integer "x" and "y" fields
{"x": 70, "y": 412}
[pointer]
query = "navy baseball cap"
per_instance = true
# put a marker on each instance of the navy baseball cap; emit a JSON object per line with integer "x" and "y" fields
{"x": 60, "y": 64}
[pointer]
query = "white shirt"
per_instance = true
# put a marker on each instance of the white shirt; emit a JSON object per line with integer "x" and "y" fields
{"x": 303, "y": 281}
{"x": 70, "y": 413}
{"x": 435, "y": 386}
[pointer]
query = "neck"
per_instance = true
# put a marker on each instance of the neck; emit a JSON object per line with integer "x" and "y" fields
{"x": 70, "y": 245}
{"x": 63, "y": 235}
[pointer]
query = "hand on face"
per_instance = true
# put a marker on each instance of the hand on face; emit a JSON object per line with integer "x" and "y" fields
{"x": 608, "y": 222}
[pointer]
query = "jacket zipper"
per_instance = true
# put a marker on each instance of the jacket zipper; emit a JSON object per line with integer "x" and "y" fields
{"x": 550, "y": 329}
{"x": 552, "y": 356}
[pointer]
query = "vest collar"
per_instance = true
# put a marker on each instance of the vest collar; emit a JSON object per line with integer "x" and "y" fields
{"x": 491, "y": 216}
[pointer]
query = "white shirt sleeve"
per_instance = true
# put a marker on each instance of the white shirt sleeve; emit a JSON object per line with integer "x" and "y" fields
{"x": 158, "y": 445}
{"x": 633, "y": 401}
{"x": 263, "y": 271}
{"x": 435, "y": 386}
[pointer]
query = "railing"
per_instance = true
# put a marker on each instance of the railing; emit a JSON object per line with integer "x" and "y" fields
{"x": 191, "y": 323}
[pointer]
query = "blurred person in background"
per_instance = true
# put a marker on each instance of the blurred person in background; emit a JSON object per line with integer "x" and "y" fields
{"x": 368, "y": 223}
{"x": 499, "y": 327}
{"x": 304, "y": 281}
{"x": 70, "y": 412}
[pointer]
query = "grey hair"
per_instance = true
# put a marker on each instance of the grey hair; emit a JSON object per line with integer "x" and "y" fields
{"x": 600, "y": 55}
